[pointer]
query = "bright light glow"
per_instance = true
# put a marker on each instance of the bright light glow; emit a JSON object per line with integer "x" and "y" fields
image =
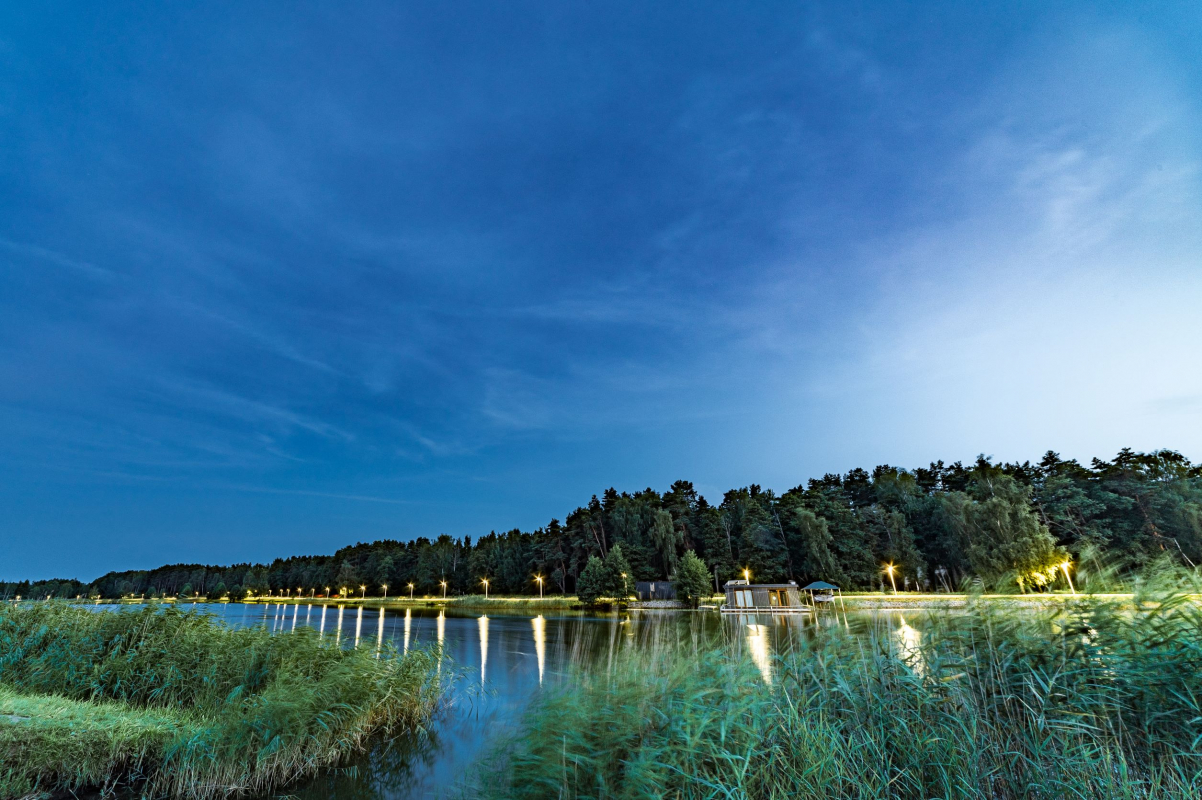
{"x": 1068, "y": 577}
{"x": 889, "y": 568}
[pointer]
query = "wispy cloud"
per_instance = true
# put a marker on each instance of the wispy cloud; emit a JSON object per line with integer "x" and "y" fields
{"x": 44, "y": 255}
{"x": 357, "y": 498}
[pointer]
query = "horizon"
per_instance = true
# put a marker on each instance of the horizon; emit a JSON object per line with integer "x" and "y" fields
{"x": 275, "y": 282}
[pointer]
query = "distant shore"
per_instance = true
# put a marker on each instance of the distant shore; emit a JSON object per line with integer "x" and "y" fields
{"x": 852, "y": 601}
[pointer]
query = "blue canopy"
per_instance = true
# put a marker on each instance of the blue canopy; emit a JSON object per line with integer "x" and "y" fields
{"x": 819, "y": 586}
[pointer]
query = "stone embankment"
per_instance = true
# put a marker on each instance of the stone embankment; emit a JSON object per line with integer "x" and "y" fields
{"x": 643, "y": 605}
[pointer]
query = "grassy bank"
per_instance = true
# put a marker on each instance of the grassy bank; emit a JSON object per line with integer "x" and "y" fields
{"x": 181, "y": 705}
{"x": 466, "y": 602}
{"x": 520, "y": 603}
{"x": 1086, "y": 700}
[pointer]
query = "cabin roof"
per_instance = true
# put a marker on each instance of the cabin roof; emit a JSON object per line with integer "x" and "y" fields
{"x": 745, "y": 585}
{"x": 819, "y": 586}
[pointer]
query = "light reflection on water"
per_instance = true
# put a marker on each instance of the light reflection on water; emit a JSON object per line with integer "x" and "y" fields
{"x": 502, "y": 660}
{"x": 909, "y": 645}
{"x": 540, "y": 644}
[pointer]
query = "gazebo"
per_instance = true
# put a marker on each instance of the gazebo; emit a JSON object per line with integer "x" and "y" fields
{"x": 823, "y": 592}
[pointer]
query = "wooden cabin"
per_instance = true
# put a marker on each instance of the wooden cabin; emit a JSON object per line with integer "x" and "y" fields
{"x": 743, "y": 597}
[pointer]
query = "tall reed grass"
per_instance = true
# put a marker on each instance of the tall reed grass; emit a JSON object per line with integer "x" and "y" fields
{"x": 182, "y": 705}
{"x": 1090, "y": 700}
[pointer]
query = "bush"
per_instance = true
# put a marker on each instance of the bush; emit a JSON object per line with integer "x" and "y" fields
{"x": 600, "y": 581}
{"x": 693, "y": 580}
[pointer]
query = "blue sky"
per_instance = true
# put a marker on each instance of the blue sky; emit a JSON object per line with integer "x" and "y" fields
{"x": 276, "y": 278}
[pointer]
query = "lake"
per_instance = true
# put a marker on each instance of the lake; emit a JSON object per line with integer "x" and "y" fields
{"x": 499, "y": 661}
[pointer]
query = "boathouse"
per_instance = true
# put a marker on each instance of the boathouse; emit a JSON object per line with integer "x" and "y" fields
{"x": 743, "y": 597}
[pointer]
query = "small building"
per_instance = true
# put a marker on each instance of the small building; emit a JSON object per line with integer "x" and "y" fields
{"x": 655, "y": 590}
{"x": 744, "y": 597}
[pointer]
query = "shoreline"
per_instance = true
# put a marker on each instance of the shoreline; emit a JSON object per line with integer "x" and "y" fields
{"x": 852, "y": 601}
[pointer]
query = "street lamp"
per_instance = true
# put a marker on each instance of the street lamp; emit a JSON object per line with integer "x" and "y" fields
{"x": 444, "y": 589}
{"x": 411, "y": 592}
{"x": 889, "y": 568}
{"x": 539, "y": 578}
{"x": 625, "y": 591}
{"x": 747, "y": 575}
{"x": 1067, "y": 577}
{"x": 343, "y": 592}
{"x": 363, "y": 592}
{"x": 485, "y": 582}
{"x": 327, "y": 592}
{"x": 384, "y": 586}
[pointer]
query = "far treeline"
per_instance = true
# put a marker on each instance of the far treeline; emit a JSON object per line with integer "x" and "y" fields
{"x": 1013, "y": 526}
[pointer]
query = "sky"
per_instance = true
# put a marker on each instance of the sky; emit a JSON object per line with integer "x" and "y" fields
{"x": 280, "y": 277}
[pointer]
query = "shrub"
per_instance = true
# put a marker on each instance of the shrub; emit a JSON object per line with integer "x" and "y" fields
{"x": 693, "y": 580}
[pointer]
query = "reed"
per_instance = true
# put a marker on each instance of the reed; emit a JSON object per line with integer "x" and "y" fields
{"x": 182, "y": 705}
{"x": 1091, "y": 699}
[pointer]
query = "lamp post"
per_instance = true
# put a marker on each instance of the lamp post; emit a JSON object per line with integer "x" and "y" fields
{"x": 444, "y": 589}
{"x": 327, "y": 592}
{"x": 1067, "y": 577}
{"x": 539, "y": 578}
{"x": 363, "y": 592}
{"x": 343, "y": 592}
{"x": 411, "y": 592}
{"x": 625, "y": 591}
{"x": 384, "y": 586}
{"x": 889, "y": 568}
{"x": 485, "y": 582}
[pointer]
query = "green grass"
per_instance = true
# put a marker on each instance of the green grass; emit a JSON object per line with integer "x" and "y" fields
{"x": 180, "y": 705}
{"x": 470, "y": 601}
{"x": 1087, "y": 700}
{"x": 50, "y": 743}
{"x": 519, "y": 603}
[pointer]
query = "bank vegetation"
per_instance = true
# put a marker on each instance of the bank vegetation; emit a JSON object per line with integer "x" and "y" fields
{"x": 165, "y": 702}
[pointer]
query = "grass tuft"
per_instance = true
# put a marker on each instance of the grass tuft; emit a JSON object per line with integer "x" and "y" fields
{"x": 181, "y": 705}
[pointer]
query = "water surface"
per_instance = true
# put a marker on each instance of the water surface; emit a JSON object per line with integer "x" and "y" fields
{"x": 501, "y": 661}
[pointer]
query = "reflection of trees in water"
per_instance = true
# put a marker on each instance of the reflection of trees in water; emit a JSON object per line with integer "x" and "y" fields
{"x": 597, "y": 644}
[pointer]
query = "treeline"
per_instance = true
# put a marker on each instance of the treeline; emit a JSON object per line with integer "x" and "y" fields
{"x": 1009, "y": 525}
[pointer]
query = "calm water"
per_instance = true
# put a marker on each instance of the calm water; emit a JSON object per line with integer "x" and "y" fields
{"x": 500, "y": 662}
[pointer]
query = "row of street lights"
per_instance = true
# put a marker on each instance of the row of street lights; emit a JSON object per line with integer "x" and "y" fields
{"x": 890, "y": 569}
{"x": 363, "y": 588}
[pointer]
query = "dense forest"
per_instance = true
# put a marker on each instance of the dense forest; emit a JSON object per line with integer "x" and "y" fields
{"x": 1009, "y": 525}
